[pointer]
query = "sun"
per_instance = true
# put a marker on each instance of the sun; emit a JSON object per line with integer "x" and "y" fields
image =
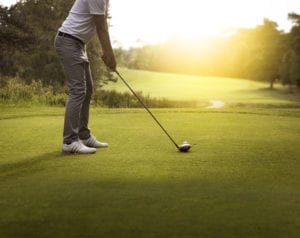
{"x": 157, "y": 20}
{"x": 211, "y": 18}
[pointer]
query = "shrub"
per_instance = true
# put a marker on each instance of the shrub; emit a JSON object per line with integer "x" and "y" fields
{"x": 14, "y": 90}
{"x": 114, "y": 99}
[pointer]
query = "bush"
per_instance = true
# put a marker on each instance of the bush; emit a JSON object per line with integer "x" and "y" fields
{"x": 14, "y": 90}
{"x": 114, "y": 99}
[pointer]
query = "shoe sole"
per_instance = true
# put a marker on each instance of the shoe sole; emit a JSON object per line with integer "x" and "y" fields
{"x": 97, "y": 147}
{"x": 79, "y": 153}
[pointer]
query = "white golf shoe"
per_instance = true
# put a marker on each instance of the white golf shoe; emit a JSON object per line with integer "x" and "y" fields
{"x": 77, "y": 147}
{"x": 92, "y": 142}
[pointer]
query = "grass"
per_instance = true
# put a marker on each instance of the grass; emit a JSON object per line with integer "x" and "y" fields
{"x": 205, "y": 89}
{"x": 241, "y": 178}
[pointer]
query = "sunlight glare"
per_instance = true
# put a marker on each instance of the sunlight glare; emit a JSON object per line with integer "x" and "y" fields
{"x": 153, "y": 21}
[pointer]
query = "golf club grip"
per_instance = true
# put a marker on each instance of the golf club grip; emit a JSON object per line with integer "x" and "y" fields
{"x": 148, "y": 110}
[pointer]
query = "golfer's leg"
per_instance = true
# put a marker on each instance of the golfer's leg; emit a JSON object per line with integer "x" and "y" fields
{"x": 77, "y": 92}
{"x": 84, "y": 131}
{"x": 73, "y": 58}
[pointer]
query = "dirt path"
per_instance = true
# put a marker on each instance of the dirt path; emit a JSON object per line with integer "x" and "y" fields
{"x": 216, "y": 104}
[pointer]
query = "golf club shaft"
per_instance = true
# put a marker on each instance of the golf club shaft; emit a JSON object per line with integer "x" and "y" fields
{"x": 148, "y": 110}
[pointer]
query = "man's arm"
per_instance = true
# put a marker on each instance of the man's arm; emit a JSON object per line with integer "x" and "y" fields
{"x": 104, "y": 38}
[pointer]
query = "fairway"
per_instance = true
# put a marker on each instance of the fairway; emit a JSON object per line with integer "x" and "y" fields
{"x": 183, "y": 125}
{"x": 240, "y": 179}
{"x": 205, "y": 89}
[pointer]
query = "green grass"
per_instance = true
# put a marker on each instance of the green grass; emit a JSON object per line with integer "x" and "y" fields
{"x": 204, "y": 88}
{"x": 241, "y": 178}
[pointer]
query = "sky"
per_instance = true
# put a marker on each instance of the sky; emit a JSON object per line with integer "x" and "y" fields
{"x": 137, "y": 22}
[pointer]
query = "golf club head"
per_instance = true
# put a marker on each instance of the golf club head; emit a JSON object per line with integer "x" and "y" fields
{"x": 184, "y": 147}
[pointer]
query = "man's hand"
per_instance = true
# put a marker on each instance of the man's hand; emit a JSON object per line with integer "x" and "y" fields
{"x": 109, "y": 61}
{"x": 108, "y": 56}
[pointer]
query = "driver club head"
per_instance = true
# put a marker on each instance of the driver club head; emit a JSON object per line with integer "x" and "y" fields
{"x": 184, "y": 147}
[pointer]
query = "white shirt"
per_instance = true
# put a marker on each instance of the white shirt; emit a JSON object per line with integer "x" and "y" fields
{"x": 80, "y": 22}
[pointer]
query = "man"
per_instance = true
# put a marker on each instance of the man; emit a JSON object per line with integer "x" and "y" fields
{"x": 86, "y": 19}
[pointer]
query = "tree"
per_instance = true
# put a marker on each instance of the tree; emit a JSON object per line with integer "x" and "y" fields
{"x": 266, "y": 52}
{"x": 289, "y": 69}
{"x": 16, "y": 37}
{"x": 294, "y": 45}
{"x": 27, "y": 33}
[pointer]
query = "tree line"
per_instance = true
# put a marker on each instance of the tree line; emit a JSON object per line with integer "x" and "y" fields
{"x": 264, "y": 53}
{"x": 27, "y": 33}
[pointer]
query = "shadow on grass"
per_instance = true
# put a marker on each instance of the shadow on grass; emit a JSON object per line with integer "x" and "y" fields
{"x": 27, "y": 166}
{"x": 29, "y": 116}
{"x": 275, "y": 93}
{"x": 203, "y": 207}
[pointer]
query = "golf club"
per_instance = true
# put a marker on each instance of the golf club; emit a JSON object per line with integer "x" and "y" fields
{"x": 184, "y": 147}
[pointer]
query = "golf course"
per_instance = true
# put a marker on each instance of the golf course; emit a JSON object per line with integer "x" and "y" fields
{"x": 241, "y": 177}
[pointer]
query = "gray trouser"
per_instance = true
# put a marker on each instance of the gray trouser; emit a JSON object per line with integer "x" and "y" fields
{"x": 77, "y": 70}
